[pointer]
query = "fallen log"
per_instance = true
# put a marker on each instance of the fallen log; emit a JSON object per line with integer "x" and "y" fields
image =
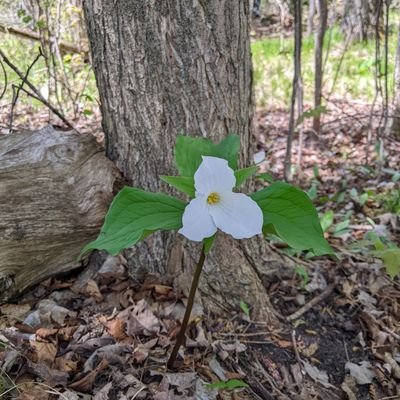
{"x": 65, "y": 47}
{"x": 55, "y": 188}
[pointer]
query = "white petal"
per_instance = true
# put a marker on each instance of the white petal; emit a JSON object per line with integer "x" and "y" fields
{"x": 214, "y": 175}
{"x": 197, "y": 221}
{"x": 238, "y": 215}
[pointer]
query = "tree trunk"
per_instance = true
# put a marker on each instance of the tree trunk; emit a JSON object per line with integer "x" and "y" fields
{"x": 359, "y": 18}
{"x": 318, "y": 52}
{"x": 394, "y": 122}
{"x": 169, "y": 68}
{"x": 310, "y": 20}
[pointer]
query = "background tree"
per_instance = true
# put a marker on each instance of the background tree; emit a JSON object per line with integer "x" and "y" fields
{"x": 169, "y": 68}
{"x": 359, "y": 18}
{"x": 395, "y": 120}
{"x": 322, "y": 8}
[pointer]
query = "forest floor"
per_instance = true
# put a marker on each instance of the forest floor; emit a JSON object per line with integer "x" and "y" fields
{"x": 98, "y": 334}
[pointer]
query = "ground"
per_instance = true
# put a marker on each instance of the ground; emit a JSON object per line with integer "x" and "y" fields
{"x": 99, "y": 334}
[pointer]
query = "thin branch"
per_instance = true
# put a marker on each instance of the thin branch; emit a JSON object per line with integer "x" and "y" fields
{"x": 26, "y": 34}
{"x": 16, "y": 93}
{"x": 38, "y": 95}
{"x": 5, "y": 80}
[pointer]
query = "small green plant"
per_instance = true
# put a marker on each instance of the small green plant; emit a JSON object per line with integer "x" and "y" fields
{"x": 245, "y": 308}
{"x": 382, "y": 248}
{"x": 210, "y": 178}
{"x": 303, "y": 274}
{"x": 231, "y": 384}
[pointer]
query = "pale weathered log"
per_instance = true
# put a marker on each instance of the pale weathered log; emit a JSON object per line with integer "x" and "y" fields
{"x": 55, "y": 188}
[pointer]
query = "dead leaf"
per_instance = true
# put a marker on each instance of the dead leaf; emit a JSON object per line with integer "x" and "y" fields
{"x": 13, "y": 312}
{"x": 45, "y": 352}
{"x": 115, "y": 327}
{"x": 33, "y": 393}
{"x": 66, "y": 365}
{"x": 93, "y": 290}
{"x": 361, "y": 372}
{"x": 85, "y": 384}
{"x": 394, "y": 366}
{"x": 317, "y": 375}
{"x": 310, "y": 350}
{"x": 50, "y": 313}
{"x": 103, "y": 393}
{"x": 141, "y": 320}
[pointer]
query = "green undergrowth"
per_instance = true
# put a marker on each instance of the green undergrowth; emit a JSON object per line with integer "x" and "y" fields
{"x": 273, "y": 68}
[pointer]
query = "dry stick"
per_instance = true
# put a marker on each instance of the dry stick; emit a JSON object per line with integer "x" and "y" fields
{"x": 16, "y": 94}
{"x": 312, "y": 303}
{"x": 38, "y": 95}
{"x": 181, "y": 334}
{"x": 5, "y": 80}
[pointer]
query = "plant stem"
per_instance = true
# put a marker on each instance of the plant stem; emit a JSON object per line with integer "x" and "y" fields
{"x": 181, "y": 334}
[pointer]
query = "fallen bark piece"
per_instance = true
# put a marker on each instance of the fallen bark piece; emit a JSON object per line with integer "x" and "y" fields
{"x": 55, "y": 189}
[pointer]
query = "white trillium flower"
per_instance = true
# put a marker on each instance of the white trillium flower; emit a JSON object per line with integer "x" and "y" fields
{"x": 216, "y": 206}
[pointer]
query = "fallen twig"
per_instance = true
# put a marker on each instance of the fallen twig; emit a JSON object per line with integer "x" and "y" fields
{"x": 311, "y": 303}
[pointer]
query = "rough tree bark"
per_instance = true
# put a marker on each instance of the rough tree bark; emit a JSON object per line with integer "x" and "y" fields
{"x": 173, "y": 67}
{"x": 55, "y": 190}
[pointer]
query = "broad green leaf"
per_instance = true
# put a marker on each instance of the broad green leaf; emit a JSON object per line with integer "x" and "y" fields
{"x": 188, "y": 152}
{"x": 230, "y": 384}
{"x": 183, "y": 183}
{"x": 243, "y": 174}
{"x": 293, "y": 216}
{"x": 391, "y": 260}
{"x": 133, "y": 215}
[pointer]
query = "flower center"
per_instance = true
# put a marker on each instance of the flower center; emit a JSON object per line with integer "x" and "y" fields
{"x": 213, "y": 198}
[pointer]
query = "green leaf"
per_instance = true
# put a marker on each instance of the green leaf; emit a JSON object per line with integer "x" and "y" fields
{"x": 208, "y": 243}
{"x": 26, "y": 19}
{"x": 327, "y": 220}
{"x": 266, "y": 177}
{"x": 243, "y": 174}
{"x": 183, "y": 183}
{"x": 293, "y": 216}
{"x": 133, "y": 215}
{"x": 302, "y": 272}
{"x": 315, "y": 112}
{"x": 230, "y": 384}
{"x": 391, "y": 260}
{"x": 188, "y": 152}
{"x": 244, "y": 307}
{"x": 313, "y": 192}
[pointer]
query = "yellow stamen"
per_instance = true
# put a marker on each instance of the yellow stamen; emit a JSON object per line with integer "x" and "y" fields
{"x": 213, "y": 198}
